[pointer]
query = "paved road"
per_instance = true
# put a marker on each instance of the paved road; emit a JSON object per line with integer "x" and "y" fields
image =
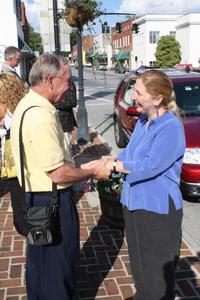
{"x": 99, "y": 94}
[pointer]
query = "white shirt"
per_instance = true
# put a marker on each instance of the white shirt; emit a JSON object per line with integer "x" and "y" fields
{"x": 3, "y": 131}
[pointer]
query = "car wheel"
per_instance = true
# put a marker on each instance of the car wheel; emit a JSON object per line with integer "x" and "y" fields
{"x": 119, "y": 135}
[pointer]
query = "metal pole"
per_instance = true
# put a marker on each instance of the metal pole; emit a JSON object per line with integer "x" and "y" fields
{"x": 82, "y": 118}
{"x": 56, "y": 28}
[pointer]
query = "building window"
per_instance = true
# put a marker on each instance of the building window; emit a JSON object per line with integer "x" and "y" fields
{"x": 172, "y": 33}
{"x": 152, "y": 63}
{"x": 128, "y": 40}
{"x": 153, "y": 37}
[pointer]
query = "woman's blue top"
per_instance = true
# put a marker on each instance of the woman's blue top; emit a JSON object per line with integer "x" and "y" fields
{"x": 154, "y": 158}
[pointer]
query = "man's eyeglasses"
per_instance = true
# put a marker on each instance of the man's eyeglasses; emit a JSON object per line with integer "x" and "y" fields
{"x": 65, "y": 80}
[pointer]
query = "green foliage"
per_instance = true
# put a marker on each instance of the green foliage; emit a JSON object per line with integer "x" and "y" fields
{"x": 168, "y": 52}
{"x": 113, "y": 185}
{"x": 35, "y": 40}
{"x": 73, "y": 40}
{"x": 65, "y": 53}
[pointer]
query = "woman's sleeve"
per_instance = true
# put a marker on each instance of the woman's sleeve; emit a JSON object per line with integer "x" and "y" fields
{"x": 168, "y": 146}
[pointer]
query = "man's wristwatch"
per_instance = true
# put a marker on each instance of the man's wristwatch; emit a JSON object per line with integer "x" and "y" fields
{"x": 114, "y": 165}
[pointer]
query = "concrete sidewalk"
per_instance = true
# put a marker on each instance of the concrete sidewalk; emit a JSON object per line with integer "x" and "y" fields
{"x": 104, "y": 264}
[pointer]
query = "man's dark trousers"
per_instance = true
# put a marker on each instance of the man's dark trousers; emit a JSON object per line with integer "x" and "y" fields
{"x": 51, "y": 271}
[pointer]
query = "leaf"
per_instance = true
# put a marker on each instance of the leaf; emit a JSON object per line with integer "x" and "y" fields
{"x": 168, "y": 52}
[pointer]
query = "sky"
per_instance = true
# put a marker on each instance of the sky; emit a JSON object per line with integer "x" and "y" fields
{"x": 139, "y": 7}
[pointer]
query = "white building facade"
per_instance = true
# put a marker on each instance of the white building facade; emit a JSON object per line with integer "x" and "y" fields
{"x": 47, "y": 27}
{"x": 103, "y": 45}
{"x": 11, "y": 30}
{"x": 187, "y": 33}
{"x": 151, "y": 28}
{"x": 185, "y": 28}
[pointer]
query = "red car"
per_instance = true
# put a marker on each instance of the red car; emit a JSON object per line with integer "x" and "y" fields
{"x": 187, "y": 90}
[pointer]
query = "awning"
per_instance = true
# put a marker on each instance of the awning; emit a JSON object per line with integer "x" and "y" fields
{"x": 122, "y": 55}
{"x": 103, "y": 55}
{"x": 96, "y": 55}
{"x": 24, "y": 47}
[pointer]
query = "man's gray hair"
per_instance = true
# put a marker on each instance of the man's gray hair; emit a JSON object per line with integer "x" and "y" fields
{"x": 10, "y": 52}
{"x": 46, "y": 65}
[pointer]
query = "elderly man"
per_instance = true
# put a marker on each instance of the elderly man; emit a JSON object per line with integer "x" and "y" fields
{"x": 50, "y": 270}
{"x": 12, "y": 56}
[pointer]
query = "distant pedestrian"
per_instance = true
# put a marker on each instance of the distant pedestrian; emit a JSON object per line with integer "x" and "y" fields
{"x": 66, "y": 112}
{"x": 12, "y": 56}
{"x": 151, "y": 194}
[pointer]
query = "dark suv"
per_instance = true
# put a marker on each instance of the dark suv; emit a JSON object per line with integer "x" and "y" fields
{"x": 187, "y": 90}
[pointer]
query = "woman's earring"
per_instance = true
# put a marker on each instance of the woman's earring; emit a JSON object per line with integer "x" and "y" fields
{"x": 156, "y": 110}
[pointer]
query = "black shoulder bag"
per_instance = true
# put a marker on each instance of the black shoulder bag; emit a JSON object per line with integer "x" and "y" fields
{"x": 42, "y": 221}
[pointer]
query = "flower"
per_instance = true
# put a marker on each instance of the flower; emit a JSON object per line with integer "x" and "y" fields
{"x": 113, "y": 185}
{"x": 81, "y": 11}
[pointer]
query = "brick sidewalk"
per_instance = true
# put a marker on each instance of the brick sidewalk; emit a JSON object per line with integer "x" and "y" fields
{"x": 104, "y": 264}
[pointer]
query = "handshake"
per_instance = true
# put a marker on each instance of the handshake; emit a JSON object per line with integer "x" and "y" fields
{"x": 101, "y": 168}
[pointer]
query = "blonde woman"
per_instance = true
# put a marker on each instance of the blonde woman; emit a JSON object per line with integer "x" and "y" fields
{"x": 151, "y": 195}
{"x": 12, "y": 90}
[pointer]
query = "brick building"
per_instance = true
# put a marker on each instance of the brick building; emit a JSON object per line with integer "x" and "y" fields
{"x": 88, "y": 43}
{"x": 24, "y": 23}
{"x": 122, "y": 43}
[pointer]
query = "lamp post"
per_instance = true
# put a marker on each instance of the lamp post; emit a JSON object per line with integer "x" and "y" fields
{"x": 82, "y": 117}
{"x": 56, "y": 29}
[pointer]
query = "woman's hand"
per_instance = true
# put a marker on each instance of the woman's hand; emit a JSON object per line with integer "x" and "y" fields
{"x": 100, "y": 169}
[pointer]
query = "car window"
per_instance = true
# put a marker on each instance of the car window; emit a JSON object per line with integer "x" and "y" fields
{"x": 120, "y": 90}
{"x": 188, "y": 97}
{"x": 129, "y": 92}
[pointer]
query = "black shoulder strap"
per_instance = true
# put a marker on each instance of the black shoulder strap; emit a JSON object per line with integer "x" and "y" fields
{"x": 21, "y": 153}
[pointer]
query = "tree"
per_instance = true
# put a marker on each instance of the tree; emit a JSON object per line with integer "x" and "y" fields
{"x": 35, "y": 40}
{"x": 168, "y": 52}
{"x": 73, "y": 40}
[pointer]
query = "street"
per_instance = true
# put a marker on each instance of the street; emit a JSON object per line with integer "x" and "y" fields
{"x": 99, "y": 94}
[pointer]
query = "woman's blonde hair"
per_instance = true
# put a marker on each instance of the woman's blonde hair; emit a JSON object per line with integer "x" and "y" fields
{"x": 158, "y": 83}
{"x": 12, "y": 90}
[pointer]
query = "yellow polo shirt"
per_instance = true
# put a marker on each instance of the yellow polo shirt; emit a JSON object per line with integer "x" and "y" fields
{"x": 44, "y": 142}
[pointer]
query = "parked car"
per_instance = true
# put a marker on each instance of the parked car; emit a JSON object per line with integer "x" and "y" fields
{"x": 187, "y": 90}
{"x": 102, "y": 67}
{"x": 88, "y": 65}
{"x": 121, "y": 69}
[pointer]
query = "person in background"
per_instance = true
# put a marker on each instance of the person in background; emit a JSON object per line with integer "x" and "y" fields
{"x": 151, "y": 194}
{"x": 51, "y": 271}
{"x": 12, "y": 56}
{"x": 12, "y": 91}
{"x": 66, "y": 113}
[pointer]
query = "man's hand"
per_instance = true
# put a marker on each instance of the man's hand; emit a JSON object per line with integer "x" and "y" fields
{"x": 99, "y": 167}
{"x": 90, "y": 165}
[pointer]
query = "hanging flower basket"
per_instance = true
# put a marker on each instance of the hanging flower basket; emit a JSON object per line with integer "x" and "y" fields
{"x": 76, "y": 17}
{"x": 80, "y": 12}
